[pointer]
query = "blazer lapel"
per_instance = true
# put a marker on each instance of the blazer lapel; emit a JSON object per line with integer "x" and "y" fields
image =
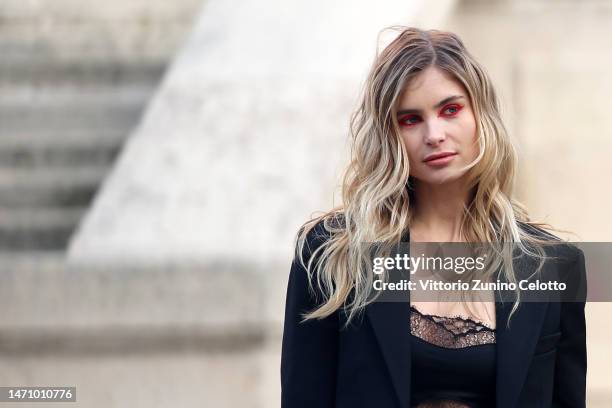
{"x": 516, "y": 345}
{"x": 391, "y": 324}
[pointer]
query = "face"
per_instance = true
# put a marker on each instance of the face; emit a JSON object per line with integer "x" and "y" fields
{"x": 437, "y": 126}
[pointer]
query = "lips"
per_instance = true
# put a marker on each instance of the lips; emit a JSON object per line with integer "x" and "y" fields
{"x": 438, "y": 156}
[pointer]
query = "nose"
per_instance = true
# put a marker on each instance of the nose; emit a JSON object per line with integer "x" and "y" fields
{"x": 434, "y": 133}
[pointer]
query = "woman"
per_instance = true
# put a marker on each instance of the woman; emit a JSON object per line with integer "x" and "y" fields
{"x": 431, "y": 162}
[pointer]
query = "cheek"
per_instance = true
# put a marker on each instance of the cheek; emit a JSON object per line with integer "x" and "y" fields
{"x": 468, "y": 134}
{"x": 412, "y": 146}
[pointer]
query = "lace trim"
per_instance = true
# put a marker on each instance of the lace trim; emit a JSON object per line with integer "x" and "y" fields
{"x": 442, "y": 404}
{"x": 450, "y": 331}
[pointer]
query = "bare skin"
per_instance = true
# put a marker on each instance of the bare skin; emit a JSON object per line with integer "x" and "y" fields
{"x": 436, "y": 116}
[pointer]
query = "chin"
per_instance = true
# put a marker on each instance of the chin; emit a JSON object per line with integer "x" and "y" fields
{"x": 440, "y": 178}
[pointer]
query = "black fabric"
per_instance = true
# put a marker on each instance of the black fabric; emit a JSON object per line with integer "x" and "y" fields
{"x": 449, "y": 374}
{"x": 541, "y": 357}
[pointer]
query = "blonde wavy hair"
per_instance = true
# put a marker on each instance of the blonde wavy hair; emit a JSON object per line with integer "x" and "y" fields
{"x": 376, "y": 188}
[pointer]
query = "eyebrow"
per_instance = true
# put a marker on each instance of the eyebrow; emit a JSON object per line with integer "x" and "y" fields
{"x": 436, "y": 106}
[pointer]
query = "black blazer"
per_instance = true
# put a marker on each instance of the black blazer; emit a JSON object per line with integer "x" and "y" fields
{"x": 541, "y": 359}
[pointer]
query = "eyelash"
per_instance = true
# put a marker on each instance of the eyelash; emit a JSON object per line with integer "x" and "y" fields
{"x": 456, "y": 106}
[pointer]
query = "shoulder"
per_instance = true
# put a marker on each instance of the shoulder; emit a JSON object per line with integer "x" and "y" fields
{"x": 566, "y": 257}
{"x": 537, "y": 231}
{"x": 560, "y": 246}
{"x": 567, "y": 261}
{"x": 315, "y": 233}
{"x": 305, "y": 292}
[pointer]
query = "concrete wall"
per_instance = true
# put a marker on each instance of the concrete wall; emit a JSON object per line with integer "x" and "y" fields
{"x": 81, "y": 31}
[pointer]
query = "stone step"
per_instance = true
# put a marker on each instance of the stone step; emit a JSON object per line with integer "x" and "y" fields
{"x": 19, "y": 122}
{"x": 34, "y": 109}
{"x": 39, "y": 261}
{"x": 55, "y": 149}
{"x": 68, "y": 95}
{"x": 43, "y": 71}
{"x": 38, "y": 229}
{"x": 49, "y": 187}
{"x": 23, "y": 120}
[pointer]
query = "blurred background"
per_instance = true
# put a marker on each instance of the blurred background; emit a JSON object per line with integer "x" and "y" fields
{"x": 157, "y": 159}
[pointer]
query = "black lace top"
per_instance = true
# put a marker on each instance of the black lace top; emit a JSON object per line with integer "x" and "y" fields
{"x": 453, "y": 362}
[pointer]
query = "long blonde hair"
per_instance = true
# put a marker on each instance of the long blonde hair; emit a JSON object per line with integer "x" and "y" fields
{"x": 376, "y": 193}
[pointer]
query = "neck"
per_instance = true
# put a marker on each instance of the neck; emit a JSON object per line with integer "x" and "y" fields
{"x": 437, "y": 212}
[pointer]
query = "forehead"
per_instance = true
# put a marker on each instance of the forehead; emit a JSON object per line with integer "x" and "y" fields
{"x": 429, "y": 87}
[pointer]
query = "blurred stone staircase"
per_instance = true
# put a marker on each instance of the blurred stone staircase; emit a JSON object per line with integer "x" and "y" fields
{"x": 61, "y": 128}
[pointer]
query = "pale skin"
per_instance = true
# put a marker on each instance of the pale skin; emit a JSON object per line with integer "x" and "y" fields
{"x": 436, "y": 116}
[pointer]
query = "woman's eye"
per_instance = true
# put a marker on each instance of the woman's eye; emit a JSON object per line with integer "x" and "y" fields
{"x": 409, "y": 120}
{"x": 451, "y": 110}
